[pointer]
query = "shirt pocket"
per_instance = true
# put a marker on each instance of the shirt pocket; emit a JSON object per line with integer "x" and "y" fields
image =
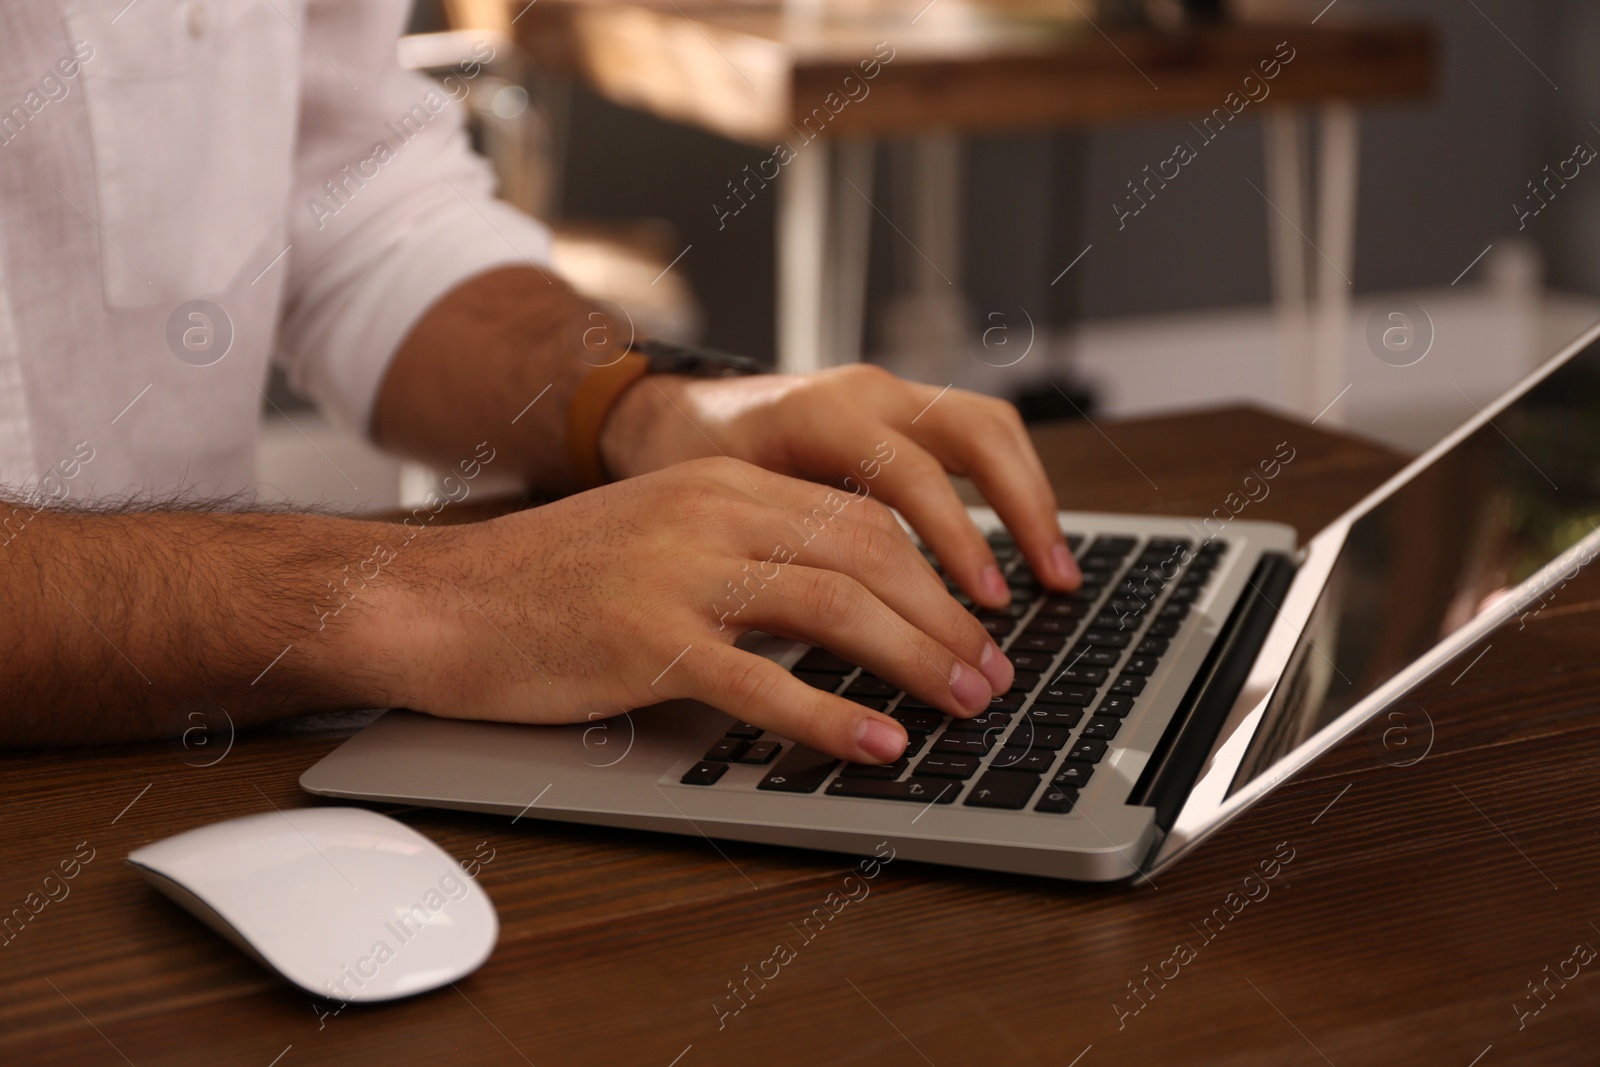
{"x": 192, "y": 113}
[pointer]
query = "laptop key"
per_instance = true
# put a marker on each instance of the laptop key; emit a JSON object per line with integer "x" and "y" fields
{"x": 1042, "y": 738}
{"x": 727, "y": 750}
{"x": 1057, "y": 800}
{"x": 964, "y": 744}
{"x": 761, "y": 752}
{"x": 1055, "y": 715}
{"x": 828, "y": 683}
{"x": 934, "y": 766}
{"x": 1111, "y": 546}
{"x": 704, "y": 773}
{"x": 1073, "y": 775}
{"x": 1106, "y": 639}
{"x": 1116, "y": 704}
{"x": 1088, "y": 751}
{"x": 989, "y": 720}
{"x": 1168, "y": 544}
{"x": 1141, "y": 665}
{"x": 800, "y": 770}
{"x": 1023, "y": 660}
{"x": 1084, "y": 655}
{"x": 1022, "y": 760}
{"x": 1040, "y": 642}
{"x": 886, "y": 771}
{"x": 1079, "y": 695}
{"x": 917, "y": 721}
{"x": 1128, "y": 685}
{"x": 919, "y": 790}
{"x": 1163, "y": 628}
{"x": 1003, "y": 789}
{"x": 870, "y": 685}
{"x": 1024, "y": 681}
{"x": 1101, "y": 728}
{"x": 1050, "y": 625}
{"x": 744, "y": 730}
{"x": 1081, "y": 675}
{"x": 999, "y": 627}
{"x": 1153, "y": 646}
{"x": 821, "y": 661}
{"x": 1006, "y": 701}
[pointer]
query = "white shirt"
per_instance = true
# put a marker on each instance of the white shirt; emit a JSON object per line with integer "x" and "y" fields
{"x": 268, "y": 158}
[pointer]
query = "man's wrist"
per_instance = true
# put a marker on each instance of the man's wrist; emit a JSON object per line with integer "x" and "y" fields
{"x": 409, "y": 634}
{"x": 637, "y": 435}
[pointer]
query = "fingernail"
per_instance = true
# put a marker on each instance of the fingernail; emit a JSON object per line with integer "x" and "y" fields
{"x": 996, "y": 668}
{"x": 879, "y": 740}
{"x": 1065, "y": 565}
{"x": 994, "y": 584}
{"x": 969, "y": 688}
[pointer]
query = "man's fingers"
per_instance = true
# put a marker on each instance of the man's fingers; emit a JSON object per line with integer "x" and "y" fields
{"x": 984, "y": 439}
{"x": 867, "y": 544}
{"x": 823, "y": 607}
{"x": 758, "y": 691}
{"x": 917, "y": 485}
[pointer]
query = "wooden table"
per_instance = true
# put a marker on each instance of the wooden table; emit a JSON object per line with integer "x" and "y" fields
{"x": 769, "y": 71}
{"x": 1419, "y": 901}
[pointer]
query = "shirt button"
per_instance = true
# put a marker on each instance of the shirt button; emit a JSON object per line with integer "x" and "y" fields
{"x": 197, "y": 21}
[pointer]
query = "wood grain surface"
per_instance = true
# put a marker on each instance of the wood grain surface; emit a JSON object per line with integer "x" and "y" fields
{"x": 1422, "y": 896}
{"x": 757, "y": 71}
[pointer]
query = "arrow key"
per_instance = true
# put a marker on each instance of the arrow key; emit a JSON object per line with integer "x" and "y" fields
{"x": 1003, "y": 789}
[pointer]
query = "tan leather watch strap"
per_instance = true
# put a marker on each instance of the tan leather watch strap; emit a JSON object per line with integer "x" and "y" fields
{"x": 591, "y": 402}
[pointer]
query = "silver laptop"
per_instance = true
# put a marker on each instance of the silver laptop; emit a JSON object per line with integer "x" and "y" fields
{"x": 1204, "y": 661}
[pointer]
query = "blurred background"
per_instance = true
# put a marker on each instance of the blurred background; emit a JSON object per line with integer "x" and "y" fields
{"x": 1454, "y": 222}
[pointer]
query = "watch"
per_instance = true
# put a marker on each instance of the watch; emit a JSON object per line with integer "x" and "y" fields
{"x": 602, "y": 387}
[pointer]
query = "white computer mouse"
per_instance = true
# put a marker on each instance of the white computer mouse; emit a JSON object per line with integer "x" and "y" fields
{"x": 343, "y": 902}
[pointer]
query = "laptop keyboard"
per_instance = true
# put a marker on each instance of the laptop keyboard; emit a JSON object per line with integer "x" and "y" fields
{"x": 1082, "y": 660}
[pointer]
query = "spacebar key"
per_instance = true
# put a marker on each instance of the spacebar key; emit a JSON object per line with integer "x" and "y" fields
{"x": 924, "y": 790}
{"x": 800, "y": 770}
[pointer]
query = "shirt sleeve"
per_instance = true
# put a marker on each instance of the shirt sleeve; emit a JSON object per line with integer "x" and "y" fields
{"x": 391, "y": 209}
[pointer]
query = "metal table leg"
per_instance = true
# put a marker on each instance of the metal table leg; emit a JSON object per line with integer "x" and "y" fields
{"x": 802, "y": 259}
{"x": 1312, "y": 274}
{"x": 824, "y": 231}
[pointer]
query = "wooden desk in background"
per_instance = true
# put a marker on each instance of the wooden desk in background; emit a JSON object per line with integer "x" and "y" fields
{"x": 761, "y": 71}
{"x": 1419, "y": 902}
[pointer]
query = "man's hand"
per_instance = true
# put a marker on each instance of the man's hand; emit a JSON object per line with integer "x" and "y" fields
{"x": 822, "y": 427}
{"x": 500, "y": 357}
{"x": 634, "y": 593}
{"x": 605, "y": 601}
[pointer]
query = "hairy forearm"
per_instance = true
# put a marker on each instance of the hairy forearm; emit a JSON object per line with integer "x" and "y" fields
{"x": 497, "y": 360}
{"x": 112, "y": 624}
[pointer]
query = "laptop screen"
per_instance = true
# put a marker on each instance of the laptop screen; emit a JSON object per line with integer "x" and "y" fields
{"x": 1443, "y": 548}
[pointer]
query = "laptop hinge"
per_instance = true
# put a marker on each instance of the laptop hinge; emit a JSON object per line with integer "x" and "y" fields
{"x": 1179, "y": 755}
